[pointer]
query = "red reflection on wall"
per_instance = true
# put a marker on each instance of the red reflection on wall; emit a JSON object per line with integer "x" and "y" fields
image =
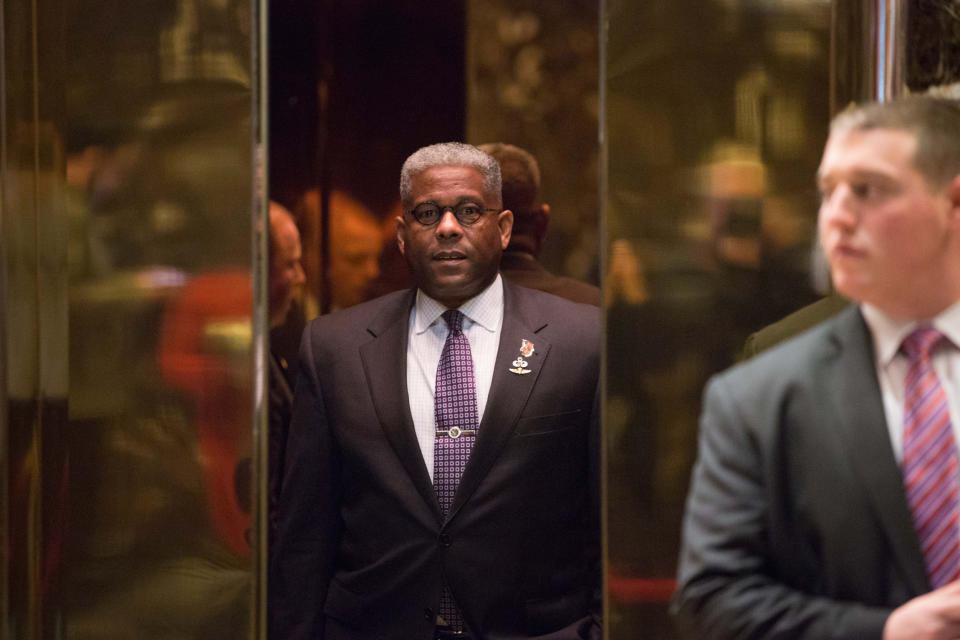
{"x": 205, "y": 354}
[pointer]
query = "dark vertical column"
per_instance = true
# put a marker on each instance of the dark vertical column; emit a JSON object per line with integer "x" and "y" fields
{"x": 21, "y": 393}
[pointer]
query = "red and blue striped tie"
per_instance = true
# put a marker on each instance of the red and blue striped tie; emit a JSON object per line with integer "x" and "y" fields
{"x": 930, "y": 468}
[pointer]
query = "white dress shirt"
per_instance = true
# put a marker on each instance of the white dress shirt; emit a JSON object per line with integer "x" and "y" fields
{"x": 888, "y": 333}
{"x": 483, "y": 320}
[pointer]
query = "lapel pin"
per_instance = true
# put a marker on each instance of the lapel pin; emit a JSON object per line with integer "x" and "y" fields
{"x": 520, "y": 365}
{"x": 526, "y": 348}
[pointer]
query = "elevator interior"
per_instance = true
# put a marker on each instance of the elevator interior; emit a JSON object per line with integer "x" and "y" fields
{"x": 140, "y": 144}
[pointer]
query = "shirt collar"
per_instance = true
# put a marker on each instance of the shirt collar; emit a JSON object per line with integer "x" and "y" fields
{"x": 484, "y": 309}
{"x": 888, "y": 332}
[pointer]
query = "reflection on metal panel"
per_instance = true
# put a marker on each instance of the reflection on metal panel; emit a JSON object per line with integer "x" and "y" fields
{"x": 711, "y": 222}
{"x": 716, "y": 113}
{"x": 127, "y": 313}
{"x": 867, "y": 51}
{"x": 890, "y": 27}
{"x": 532, "y": 81}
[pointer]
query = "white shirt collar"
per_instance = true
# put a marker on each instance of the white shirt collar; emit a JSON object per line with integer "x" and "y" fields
{"x": 484, "y": 309}
{"x": 888, "y": 331}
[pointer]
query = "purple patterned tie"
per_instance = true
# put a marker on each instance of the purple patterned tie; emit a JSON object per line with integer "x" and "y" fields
{"x": 455, "y": 410}
{"x": 930, "y": 461}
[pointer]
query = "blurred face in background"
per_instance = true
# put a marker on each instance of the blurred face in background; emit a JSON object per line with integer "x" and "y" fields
{"x": 355, "y": 245}
{"x": 286, "y": 272}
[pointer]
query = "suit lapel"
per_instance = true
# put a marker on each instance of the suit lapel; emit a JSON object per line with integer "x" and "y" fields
{"x": 384, "y": 364}
{"x": 508, "y": 391}
{"x": 866, "y": 437}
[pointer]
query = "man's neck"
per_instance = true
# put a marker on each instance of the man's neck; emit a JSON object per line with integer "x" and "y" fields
{"x": 523, "y": 244}
{"x": 423, "y": 295}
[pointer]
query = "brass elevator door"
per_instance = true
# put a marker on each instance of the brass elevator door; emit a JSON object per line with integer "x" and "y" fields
{"x": 129, "y": 339}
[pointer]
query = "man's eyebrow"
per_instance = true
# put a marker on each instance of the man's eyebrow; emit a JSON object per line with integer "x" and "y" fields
{"x": 460, "y": 200}
{"x": 859, "y": 174}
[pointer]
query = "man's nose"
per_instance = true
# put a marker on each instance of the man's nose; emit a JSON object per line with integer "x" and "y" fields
{"x": 300, "y": 276}
{"x": 449, "y": 225}
{"x": 836, "y": 209}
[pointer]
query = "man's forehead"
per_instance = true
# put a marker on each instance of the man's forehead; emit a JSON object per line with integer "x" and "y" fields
{"x": 875, "y": 138}
{"x": 285, "y": 232}
{"x": 455, "y": 181}
{"x": 868, "y": 149}
{"x": 448, "y": 171}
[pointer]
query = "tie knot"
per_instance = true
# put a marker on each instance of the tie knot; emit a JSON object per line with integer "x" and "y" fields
{"x": 920, "y": 342}
{"x": 454, "y": 320}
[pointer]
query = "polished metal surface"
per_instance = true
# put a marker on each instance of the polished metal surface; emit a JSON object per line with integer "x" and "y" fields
{"x": 130, "y": 266}
{"x": 891, "y": 48}
{"x": 868, "y": 50}
{"x": 532, "y": 71}
{"x": 716, "y": 114}
{"x": 715, "y": 117}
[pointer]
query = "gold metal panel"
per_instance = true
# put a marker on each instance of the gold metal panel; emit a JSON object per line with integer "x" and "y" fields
{"x": 131, "y": 263}
{"x": 714, "y": 118}
{"x": 533, "y": 81}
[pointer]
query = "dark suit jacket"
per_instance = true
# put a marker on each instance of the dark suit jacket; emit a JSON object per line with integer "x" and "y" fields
{"x": 796, "y": 523}
{"x": 361, "y": 550}
{"x": 795, "y": 323}
{"x": 279, "y": 410}
{"x": 525, "y": 270}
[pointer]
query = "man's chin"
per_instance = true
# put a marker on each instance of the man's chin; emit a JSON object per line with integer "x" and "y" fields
{"x": 850, "y": 287}
{"x": 451, "y": 292}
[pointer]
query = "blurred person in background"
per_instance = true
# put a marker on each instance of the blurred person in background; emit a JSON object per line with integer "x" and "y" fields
{"x": 531, "y": 217}
{"x": 286, "y": 281}
{"x": 354, "y": 244}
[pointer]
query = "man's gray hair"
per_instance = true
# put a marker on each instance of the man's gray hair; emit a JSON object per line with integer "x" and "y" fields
{"x": 455, "y": 154}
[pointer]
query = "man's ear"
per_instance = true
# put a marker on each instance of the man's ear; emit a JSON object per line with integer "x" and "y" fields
{"x": 505, "y": 225}
{"x": 952, "y": 192}
{"x": 401, "y": 233}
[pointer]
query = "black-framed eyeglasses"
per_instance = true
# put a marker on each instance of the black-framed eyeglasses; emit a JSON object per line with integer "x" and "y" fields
{"x": 430, "y": 213}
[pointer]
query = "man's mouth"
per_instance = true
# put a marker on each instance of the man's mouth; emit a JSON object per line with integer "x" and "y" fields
{"x": 449, "y": 256}
{"x": 842, "y": 250}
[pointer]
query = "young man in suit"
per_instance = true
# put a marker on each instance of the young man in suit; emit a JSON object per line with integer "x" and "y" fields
{"x": 441, "y": 476}
{"x": 824, "y": 499}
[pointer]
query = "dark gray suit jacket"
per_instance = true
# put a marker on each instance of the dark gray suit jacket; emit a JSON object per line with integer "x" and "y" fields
{"x": 794, "y": 324}
{"x": 362, "y": 550}
{"x": 796, "y": 523}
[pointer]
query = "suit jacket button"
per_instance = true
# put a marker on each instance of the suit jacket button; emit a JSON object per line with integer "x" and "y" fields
{"x": 445, "y": 539}
{"x": 428, "y": 614}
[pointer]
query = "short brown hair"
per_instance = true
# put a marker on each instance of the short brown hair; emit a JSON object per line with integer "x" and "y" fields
{"x": 933, "y": 121}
